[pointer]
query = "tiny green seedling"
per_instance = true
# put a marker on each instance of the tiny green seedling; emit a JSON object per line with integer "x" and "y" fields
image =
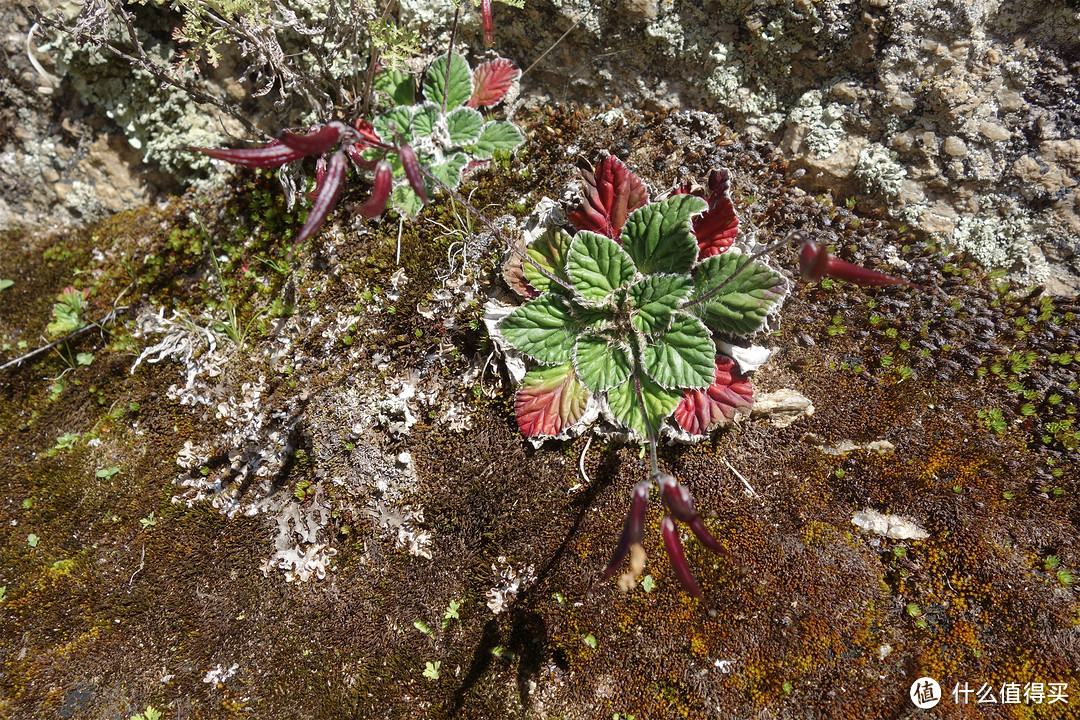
{"x": 451, "y": 613}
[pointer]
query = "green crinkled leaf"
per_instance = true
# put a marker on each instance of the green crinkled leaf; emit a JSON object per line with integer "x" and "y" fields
{"x": 659, "y": 404}
{"x": 682, "y": 357}
{"x": 449, "y": 172}
{"x": 464, "y": 125}
{"x": 659, "y": 237}
{"x": 600, "y": 363}
{"x": 550, "y": 400}
{"x": 405, "y": 201}
{"x": 395, "y": 125}
{"x": 544, "y": 329}
{"x": 655, "y": 297}
{"x": 496, "y": 135}
{"x": 424, "y": 120}
{"x": 397, "y": 84}
{"x": 741, "y": 306}
{"x": 460, "y": 89}
{"x": 549, "y": 251}
{"x": 596, "y": 266}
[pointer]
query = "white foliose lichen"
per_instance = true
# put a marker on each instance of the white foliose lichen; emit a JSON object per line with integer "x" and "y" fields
{"x": 825, "y": 123}
{"x": 1008, "y": 243}
{"x": 880, "y": 171}
{"x": 509, "y": 582}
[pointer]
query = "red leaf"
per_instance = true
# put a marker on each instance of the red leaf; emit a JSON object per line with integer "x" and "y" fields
{"x": 716, "y": 228}
{"x": 491, "y": 81}
{"x": 610, "y": 194}
{"x": 700, "y": 411}
{"x": 489, "y": 23}
{"x": 550, "y": 400}
{"x": 412, "y": 171}
{"x": 380, "y": 192}
{"x": 273, "y": 154}
{"x": 315, "y": 143}
{"x": 327, "y": 197}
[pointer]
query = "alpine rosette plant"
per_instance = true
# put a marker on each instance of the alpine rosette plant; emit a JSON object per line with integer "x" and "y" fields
{"x": 445, "y": 130}
{"x": 411, "y": 149}
{"x": 625, "y": 311}
{"x": 632, "y": 316}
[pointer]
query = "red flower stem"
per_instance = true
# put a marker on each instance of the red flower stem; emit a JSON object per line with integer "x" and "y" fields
{"x": 645, "y": 413}
{"x": 450, "y": 58}
{"x": 793, "y": 235}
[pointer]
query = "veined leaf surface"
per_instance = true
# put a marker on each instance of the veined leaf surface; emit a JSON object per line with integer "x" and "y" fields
{"x": 741, "y": 306}
{"x": 463, "y": 125}
{"x": 600, "y": 363}
{"x": 496, "y": 135}
{"x": 550, "y": 400}
{"x": 701, "y": 410}
{"x": 659, "y": 238}
{"x": 460, "y": 87}
{"x": 491, "y": 81}
{"x": 682, "y": 357}
{"x": 611, "y": 192}
{"x": 544, "y": 329}
{"x": 655, "y": 297}
{"x": 549, "y": 251}
{"x": 596, "y": 266}
{"x": 659, "y": 403}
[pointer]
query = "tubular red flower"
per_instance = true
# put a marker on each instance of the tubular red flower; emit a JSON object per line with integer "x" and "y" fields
{"x": 327, "y": 196}
{"x": 678, "y": 559}
{"x": 380, "y": 192}
{"x": 412, "y": 171}
{"x": 633, "y": 529}
{"x": 816, "y": 262}
{"x": 488, "y": 22}
{"x": 680, "y": 504}
{"x": 315, "y": 143}
{"x": 320, "y": 176}
{"x": 273, "y": 154}
{"x": 355, "y": 153}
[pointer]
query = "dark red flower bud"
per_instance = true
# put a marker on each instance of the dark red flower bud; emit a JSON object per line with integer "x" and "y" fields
{"x": 315, "y": 143}
{"x": 633, "y": 529}
{"x": 273, "y": 154}
{"x": 412, "y": 172}
{"x": 678, "y": 559}
{"x": 488, "y": 22}
{"x": 380, "y": 192}
{"x": 327, "y": 196}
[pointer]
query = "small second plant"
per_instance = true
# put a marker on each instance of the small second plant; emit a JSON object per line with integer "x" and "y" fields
{"x": 410, "y": 150}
